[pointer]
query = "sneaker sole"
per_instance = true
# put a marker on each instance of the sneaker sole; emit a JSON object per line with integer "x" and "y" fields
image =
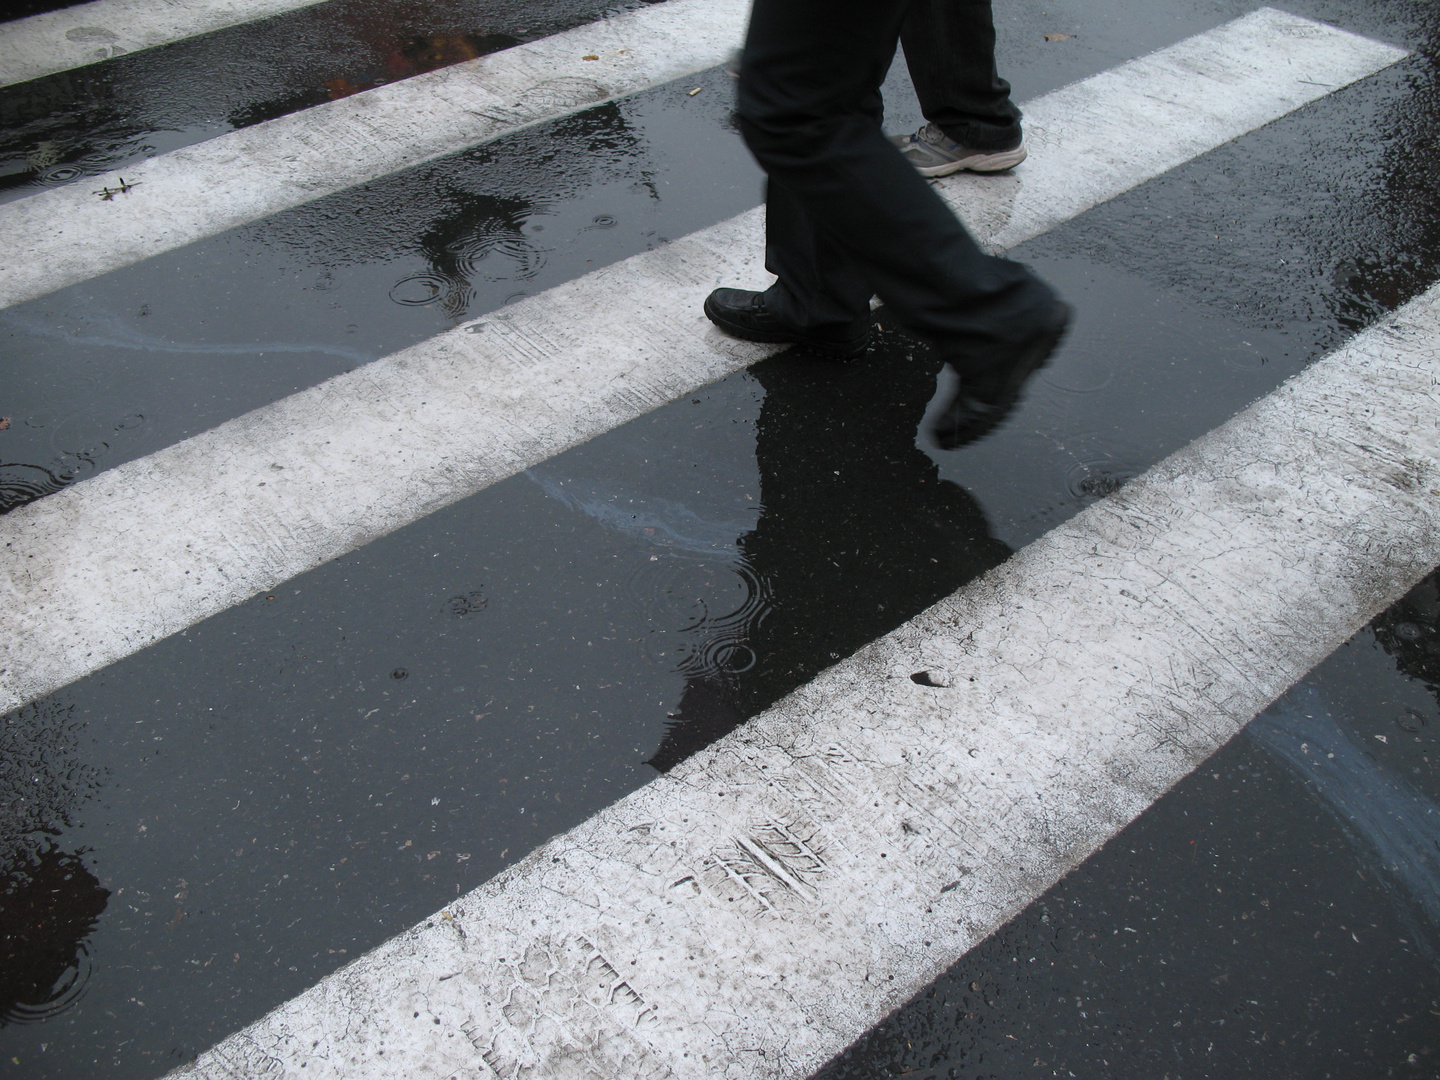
{"x": 980, "y": 163}
{"x": 842, "y": 350}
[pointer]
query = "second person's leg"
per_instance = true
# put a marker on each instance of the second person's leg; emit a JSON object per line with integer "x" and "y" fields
{"x": 950, "y": 51}
{"x": 852, "y": 209}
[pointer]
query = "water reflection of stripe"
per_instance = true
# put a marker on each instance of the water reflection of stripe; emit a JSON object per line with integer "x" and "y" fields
{"x": 377, "y": 448}
{"x": 88, "y": 33}
{"x": 791, "y": 885}
{"x": 1397, "y": 824}
{"x": 62, "y": 236}
{"x": 646, "y": 519}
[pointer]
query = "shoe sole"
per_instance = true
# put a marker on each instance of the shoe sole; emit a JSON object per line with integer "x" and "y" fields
{"x": 841, "y": 350}
{"x": 980, "y": 163}
{"x": 1043, "y": 347}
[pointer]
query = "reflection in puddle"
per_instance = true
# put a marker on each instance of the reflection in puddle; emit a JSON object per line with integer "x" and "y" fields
{"x": 1410, "y": 632}
{"x": 89, "y": 121}
{"x": 1399, "y": 825}
{"x": 463, "y": 233}
{"x": 648, "y": 520}
{"x": 21, "y": 484}
{"x": 49, "y": 905}
{"x": 49, "y": 900}
{"x": 700, "y": 618}
{"x": 498, "y": 247}
{"x": 43, "y": 781}
{"x": 700, "y": 600}
{"x": 858, "y": 533}
{"x": 105, "y": 329}
{"x": 415, "y": 57}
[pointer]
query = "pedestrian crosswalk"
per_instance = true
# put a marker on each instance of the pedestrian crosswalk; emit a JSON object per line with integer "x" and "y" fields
{"x": 67, "y": 235}
{"x": 787, "y": 888}
{"x": 875, "y": 825}
{"x": 191, "y": 529}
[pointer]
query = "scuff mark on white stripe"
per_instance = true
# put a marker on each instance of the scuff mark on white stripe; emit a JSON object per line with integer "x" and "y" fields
{"x": 775, "y": 896}
{"x": 88, "y": 33}
{"x": 187, "y": 531}
{"x": 59, "y": 237}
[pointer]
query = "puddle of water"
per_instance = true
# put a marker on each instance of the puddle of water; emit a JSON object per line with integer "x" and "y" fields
{"x": 1110, "y": 405}
{"x": 416, "y": 254}
{"x": 50, "y": 900}
{"x": 314, "y": 776}
{"x": 80, "y": 124}
{"x": 669, "y": 526}
{"x": 49, "y": 906}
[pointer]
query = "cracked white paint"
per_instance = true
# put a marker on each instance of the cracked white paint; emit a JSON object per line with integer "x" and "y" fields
{"x": 753, "y": 912}
{"x": 88, "y": 33}
{"x": 190, "y": 530}
{"x": 66, "y": 235}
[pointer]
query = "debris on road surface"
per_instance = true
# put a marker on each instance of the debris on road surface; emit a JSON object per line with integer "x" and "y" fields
{"x": 107, "y": 193}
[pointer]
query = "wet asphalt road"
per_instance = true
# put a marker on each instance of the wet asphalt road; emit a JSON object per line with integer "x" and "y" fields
{"x": 231, "y": 814}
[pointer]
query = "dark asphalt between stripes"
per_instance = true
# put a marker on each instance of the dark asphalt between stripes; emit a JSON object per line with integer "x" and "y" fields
{"x": 242, "y": 808}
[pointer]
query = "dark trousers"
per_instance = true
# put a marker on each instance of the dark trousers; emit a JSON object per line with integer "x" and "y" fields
{"x": 950, "y": 51}
{"x": 847, "y": 217}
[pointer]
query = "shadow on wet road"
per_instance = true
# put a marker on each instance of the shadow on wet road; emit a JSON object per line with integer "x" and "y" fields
{"x": 857, "y": 534}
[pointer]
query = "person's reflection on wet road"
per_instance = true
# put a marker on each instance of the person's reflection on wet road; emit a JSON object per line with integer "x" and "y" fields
{"x": 857, "y": 532}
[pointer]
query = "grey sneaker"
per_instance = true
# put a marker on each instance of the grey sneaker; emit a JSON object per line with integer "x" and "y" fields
{"x": 934, "y": 153}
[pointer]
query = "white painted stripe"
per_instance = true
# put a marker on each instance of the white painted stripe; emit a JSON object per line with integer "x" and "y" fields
{"x": 1177, "y": 104}
{"x": 775, "y": 896}
{"x": 65, "y": 235}
{"x": 87, "y": 33}
{"x": 200, "y": 526}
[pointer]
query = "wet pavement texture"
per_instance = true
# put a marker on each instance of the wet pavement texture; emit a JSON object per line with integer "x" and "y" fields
{"x": 79, "y": 124}
{"x": 204, "y": 829}
{"x": 124, "y": 364}
{"x": 1275, "y": 914}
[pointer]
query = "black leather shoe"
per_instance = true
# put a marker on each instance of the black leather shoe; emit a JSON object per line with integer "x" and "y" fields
{"x": 742, "y": 313}
{"x": 985, "y": 397}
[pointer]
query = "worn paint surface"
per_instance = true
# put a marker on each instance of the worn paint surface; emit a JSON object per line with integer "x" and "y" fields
{"x": 774, "y": 896}
{"x": 203, "y": 524}
{"x": 59, "y": 237}
{"x": 86, "y": 33}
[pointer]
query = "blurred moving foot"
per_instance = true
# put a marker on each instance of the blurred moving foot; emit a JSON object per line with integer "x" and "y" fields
{"x": 742, "y": 313}
{"x": 934, "y": 153}
{"x": 985, "y": 397}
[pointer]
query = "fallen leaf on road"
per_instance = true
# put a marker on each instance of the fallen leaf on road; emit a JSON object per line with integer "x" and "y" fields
{"x": 4, "y": 422}
{"x": 592, "y": 56}
{"x": 1048, "y": 37}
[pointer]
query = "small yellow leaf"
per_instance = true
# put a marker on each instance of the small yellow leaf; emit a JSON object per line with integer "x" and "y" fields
{"x": 1048, "y": 37}
{"x": 591, "y": 56}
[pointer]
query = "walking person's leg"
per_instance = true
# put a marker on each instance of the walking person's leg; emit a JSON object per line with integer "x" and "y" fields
{"x": 972, "y": 123}
{"x": 849, "y": 216}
